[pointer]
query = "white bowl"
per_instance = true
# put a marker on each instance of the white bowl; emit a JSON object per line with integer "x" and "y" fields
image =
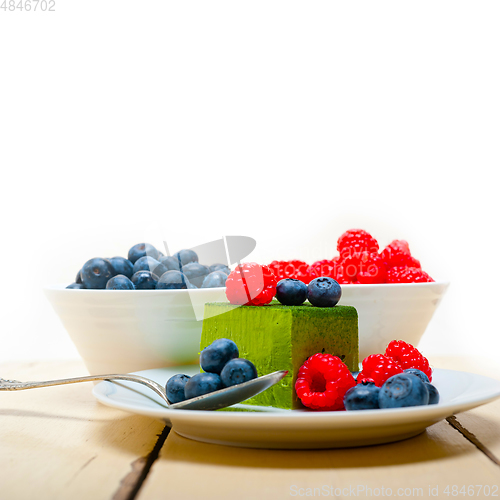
{"x": 121, "y": 331}
{"x": 392, "y": 311}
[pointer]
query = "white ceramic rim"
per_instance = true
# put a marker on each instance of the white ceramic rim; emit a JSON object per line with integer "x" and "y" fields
{"x": 340, "y": 418}
{"x": 59, "y": 287}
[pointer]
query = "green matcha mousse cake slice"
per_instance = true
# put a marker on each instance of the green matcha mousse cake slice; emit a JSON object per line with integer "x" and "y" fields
{"x": 277, "y": 337}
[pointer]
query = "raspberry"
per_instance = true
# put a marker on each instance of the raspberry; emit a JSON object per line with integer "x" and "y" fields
{"x": 408, "y": 357}
{"x": 324, "y": 268}
{"x": 284, "y": 269}
{"x": 349, "y": 266}
{"x": 378, "y": 368}
{"x": 251, "y": 284}
{"x": 308, "y": 276}
{"x": 407, "y": 275}
{"x": 372, "y": 269}
{"x": 340, "y": 277}
{"x": 356, "y": 241}
{"x": 397, "y": 254}
{"x": 323, "y": 381}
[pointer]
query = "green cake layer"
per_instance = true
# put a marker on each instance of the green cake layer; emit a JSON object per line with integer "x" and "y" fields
{"x": 277, "y": 337}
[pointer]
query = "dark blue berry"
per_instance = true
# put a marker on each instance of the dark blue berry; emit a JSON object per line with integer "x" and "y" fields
{"x": 363, "y": 396}
{"x": 403, "y": 390}
{"x": 78, "y": 278}
{"x": 202, "y": 383}
{"x": 144, "y": 280}
{"x": 76, "y": 286}
{"x": 420, "y": 374}
{"x": 220, "y": 267}
{"x": 175, "y": 388}
{"x": 186, "y": 256}
{"x": 171, "y": 263}
{"x": 173, "y": 280}
{"x": 217, "y": 279}
{"x": 291, "y": 292}
{"x": 96, "y": 273}
{"x": 433, "y": 394}
{"x": 122, "y": 266}
{"x": 215, "y": 356}
{"x": 195, "y": 273}
{"x": 119, "y": 282}
{"x": 323, "y": 292}
{"x": 355, "y": 375}
{"x": 140, "y": 250}
{"x": 237, "y": 371}
{"x": 147, "y": 263}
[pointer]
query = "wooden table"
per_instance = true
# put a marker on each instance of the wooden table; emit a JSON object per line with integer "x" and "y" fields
{"x": 60, "y": 443}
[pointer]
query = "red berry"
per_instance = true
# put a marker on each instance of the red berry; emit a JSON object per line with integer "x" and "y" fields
{"x": 284, "y": 269}
{"x": 349, "y": 266}
{"x": 407, "y": 275}
{"x": 378, "y": 368}
{"x": 408, "y": 356}
{"x": 340, "y": 277}
{"x": 372, "y": 269}
{"x": 251, "y": 284}
{"x": 356, "y": 241}
{"x": 324, "y": 268}
{"x": 323, "y": 381}
{"x": 397, "y": 254}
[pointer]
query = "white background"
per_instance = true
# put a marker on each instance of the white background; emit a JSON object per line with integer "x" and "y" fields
{"x": 286, "y": 121}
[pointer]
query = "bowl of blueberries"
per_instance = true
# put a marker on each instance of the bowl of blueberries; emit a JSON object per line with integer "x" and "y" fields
{"x": 138, "y": 312}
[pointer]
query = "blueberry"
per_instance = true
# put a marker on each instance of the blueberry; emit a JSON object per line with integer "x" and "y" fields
{"x": 195, "y": 273}
{"x": 291, "y": 292}
{"x": 119, "y": 282}
{"x": 144, "y": 280}
{"x": 140, "y": 250}
{"x": 217, "y": 279}
{"x": 202, "y": 383}
{"x": 237, "y": 371}
{"x": 214, "y": 357}
{"x": 76, "y": 286}
{"x": 122, "y": 266}
{"x": 323, "y": 292}
{"x": 160, "y": 255}
{"x": 420, "y": 374}
{"x": 175, "y": 388}
{"x": 403, "y": 390}
{"x": 173, "y": 280}
{"x": 363, "y": 396}
{"x": 78, "y": 278}
{"x": 171, "y": 263}
{"x": 433, "y": 394}
{"x": 186, "y": 256}
{"x": 220, "y": 267}
{"x": 147, "y": 263}
{"x": 355, "y": 375}
{"x": 96, "y": 273}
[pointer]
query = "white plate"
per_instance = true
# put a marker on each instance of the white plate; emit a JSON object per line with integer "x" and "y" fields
{"x": 274, "y": 428}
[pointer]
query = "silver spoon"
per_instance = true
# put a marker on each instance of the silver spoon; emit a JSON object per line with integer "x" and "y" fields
{"x": 211, "y": 401}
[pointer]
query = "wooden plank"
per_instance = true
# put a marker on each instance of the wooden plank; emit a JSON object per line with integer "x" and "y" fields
{"x": 59, "y": 442}
{"x": 438, "y": 458}
{"x": 481, "y": 425}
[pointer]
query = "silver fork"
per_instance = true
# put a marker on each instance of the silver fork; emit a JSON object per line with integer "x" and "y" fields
{"x": 211, "y": 401}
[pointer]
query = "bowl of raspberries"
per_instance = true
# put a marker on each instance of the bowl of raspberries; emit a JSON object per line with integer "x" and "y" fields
{"x": 138, "y": 311}
{"x": 394, "y": 296}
